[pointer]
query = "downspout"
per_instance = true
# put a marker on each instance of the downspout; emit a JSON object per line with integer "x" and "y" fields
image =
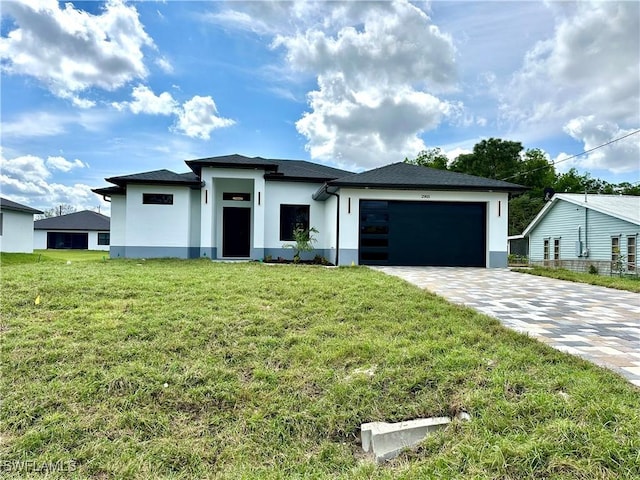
{"x": 106, "y": 199}
{"x": 337, "y": 225}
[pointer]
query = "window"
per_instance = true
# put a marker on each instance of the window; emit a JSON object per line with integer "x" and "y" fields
{"x": 157, "y": 199}
{"x": 546, "y": 249}
{"x": 556, "y": 249}
{"x": 103, "y": 238}
{"x": 292, "y": 218}
{"x": 631, "y": 254}
{"x": 238, "y": 197}
{"x": 615, "y": 249}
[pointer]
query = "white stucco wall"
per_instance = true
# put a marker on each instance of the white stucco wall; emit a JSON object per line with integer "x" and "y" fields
{"x": 157, "y": 225}
{"x": 17, "y": 232}
{"x": 293, "y": 193}
{"x": 118, "y": 222}
{"x": 497, "y": 211}
{"x": 39, "y": 239}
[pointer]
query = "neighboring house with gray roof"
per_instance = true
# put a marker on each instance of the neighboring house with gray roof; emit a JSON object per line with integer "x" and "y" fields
{"x": 16, "y": 227}
{"x": 577, "y": 231}
{"x": 237, "y": 207}
{"x": 85, "y": 230}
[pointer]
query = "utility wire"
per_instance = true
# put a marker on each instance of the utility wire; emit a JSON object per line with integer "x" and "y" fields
{"x": 554, "y": 162}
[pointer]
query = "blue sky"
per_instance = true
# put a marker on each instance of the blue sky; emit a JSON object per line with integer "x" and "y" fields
{"x": 96, "y": 89}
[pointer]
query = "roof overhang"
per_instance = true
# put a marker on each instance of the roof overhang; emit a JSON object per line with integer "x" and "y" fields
{"x": 197, "y": 165}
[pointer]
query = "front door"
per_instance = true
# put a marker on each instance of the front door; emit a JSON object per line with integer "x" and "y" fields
{"x": 236, "y": 232}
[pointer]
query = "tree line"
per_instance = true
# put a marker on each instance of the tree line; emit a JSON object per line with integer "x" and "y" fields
{"x": 508, "y": 160}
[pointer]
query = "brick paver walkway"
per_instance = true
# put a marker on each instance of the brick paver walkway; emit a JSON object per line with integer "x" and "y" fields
{"x": 599, "y": 324}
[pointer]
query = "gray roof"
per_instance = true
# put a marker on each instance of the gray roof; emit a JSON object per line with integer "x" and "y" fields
{"x": 108, "y": 191}
{"x": 302, "y": 170}
{"x": 163, "y": 176}
{"x": 84, "y": 220}
{"x": 624, "y": 207}
{"x": 406, "y": 176}
{"x": 275, "y": 169}
{"x": 7, "y": 204}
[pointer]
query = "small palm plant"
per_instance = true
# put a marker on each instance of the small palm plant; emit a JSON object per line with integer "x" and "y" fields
{"x": 303, "y": 242}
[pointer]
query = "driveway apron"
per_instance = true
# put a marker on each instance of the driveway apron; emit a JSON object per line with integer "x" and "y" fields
{"x": 599, "y": 324}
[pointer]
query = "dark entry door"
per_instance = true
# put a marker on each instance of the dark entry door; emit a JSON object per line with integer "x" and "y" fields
{"x": 236, "y": 232}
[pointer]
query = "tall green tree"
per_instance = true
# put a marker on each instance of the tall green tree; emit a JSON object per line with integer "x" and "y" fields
{"x": 432, "y": 158}
{"x": 536, "y": 172}
{"x": 492, "y": 158}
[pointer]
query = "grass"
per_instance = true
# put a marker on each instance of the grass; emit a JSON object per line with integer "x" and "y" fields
{"x": 52, "y": 256}
{"x": 194, "y": 369}
{"x": 629, "y": 283}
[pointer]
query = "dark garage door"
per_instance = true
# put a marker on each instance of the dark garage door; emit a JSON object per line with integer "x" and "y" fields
{"x": 422, "y": 233}
{"x": 76, "y": 241}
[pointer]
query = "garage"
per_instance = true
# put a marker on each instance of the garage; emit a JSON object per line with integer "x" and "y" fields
{"x": 67, "y": 240}
{"x": 423, "y": 233}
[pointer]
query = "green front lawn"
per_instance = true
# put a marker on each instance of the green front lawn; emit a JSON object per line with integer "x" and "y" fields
{"x": 53, "y": 255}
{"x": 628, "y": 282}
{"x": 193, "y": 369}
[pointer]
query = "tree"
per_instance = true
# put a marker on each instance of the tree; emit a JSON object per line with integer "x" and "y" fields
{"x": 536, "y": 172}
{"x": 432, "y": 158}
{"x": 522, "y": 210}
{"x": 492, "y": 158}
{"x": 573, "y": 182}
{"x": 62, "y": 209}
{"x": 626, "y": 188}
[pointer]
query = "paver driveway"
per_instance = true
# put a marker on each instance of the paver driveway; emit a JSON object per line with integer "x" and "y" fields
{"x": 597, "y": 323}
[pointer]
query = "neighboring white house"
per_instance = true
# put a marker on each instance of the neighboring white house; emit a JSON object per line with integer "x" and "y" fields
{"x": 16, "y": 227}
{"x": 85, "y": 230}
{"x": 577, "y": 231}
{"x": 235, "y": 207}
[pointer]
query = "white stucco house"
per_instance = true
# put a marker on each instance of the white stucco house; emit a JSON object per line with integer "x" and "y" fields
{"x": 235, "y": 207}
{"x": 578, "y": 231}
{"x": 85, "y": 230}
{"x": 16, "y": 227}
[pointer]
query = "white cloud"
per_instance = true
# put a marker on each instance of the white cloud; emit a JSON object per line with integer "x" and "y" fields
{"x": 456, "y": 152}
{"x": 64, "y": 165}
{"x": 46, "y": 124}
{"x": 198, "y": 117}
{"x": 69, "y": 50}
{"x": 378, "y": 75}
{"x": 619, "y": 157}
{"x": 26, "y": 168}
{"x": 588, "y": 68}
{"x": 164, "y": 64}
{"x": 145, "y": 101}
{"x": 34, "y": 124}
{"x": 24, "y": 179}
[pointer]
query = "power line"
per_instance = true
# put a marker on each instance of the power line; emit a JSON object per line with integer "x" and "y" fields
{"x": 554, "y": 162}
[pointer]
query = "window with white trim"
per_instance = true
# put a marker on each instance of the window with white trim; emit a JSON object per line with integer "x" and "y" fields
{"x": 615, "y": 249}
{"x": 556, "y": 249}
{"x": 545, "y": 254}
{"x": 103, "y": 238}
{"x": 631, "y": 253}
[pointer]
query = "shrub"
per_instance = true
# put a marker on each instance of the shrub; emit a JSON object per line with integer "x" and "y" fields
{"x": 303, "y": 242}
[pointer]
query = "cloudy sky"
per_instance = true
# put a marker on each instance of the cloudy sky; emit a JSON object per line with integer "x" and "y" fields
{"x": 93, "y": 89}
